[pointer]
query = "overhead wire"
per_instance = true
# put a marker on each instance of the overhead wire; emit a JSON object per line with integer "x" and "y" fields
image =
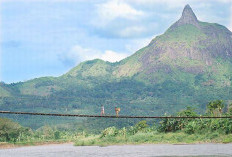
{"x": 112, "y": 116}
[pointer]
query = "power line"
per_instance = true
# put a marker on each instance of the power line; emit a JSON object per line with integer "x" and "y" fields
{"x": 98, "y": 116}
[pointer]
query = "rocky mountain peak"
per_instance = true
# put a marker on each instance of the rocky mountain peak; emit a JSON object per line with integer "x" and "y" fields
{"x": 188, "y": 17}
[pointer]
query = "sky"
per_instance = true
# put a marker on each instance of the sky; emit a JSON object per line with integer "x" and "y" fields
{"x": 49, "y": 37}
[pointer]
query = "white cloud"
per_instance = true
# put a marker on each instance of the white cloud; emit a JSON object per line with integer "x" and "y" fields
{"x": 41, "y": 0}
{"x": 115, "y": 9}
{"x": 169, "y": 3}
{"x": 112, "y": 56}
{"x": 0, "y": 65}
{"x": 78, "y": 54}
{"x": 224, "y": 1}
{"x": 0, "y": 45}
{"x": 230, "y": 27}
{"x": 176, "y": 3}
{"x": 132, "y": 31}
{"x": 137, "y": 44}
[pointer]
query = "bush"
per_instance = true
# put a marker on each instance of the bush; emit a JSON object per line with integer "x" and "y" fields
{"x": 111, "y": 131}
{"x": 122, "y": 132}
{"x": 10, "y": 131}
{"x": 190, "y": 128}
{"x": 57, "y": 135}
{"x": 141, "y": 125}
{"x": 213, "y": 135}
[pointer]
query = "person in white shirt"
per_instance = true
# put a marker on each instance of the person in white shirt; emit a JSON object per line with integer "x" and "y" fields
{"x": 102, "y": 110}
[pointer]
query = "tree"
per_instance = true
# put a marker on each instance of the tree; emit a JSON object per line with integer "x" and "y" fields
{"x": 215, "y": 106}
{"x": 230, "y": 109}
{"x": 9, "y": 130}
{"x": 141, "y": 125}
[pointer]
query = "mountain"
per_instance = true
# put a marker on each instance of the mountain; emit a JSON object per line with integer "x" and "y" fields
{"x": 189, "y": 65}
{"x": 188, "y": 47}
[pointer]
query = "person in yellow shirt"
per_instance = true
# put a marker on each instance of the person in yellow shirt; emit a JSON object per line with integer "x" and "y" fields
{"x": 117, "y": 110}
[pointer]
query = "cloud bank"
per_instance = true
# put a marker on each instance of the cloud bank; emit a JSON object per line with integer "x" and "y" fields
{"x": 0, "y": 45}
{"x": 78, "y": 54}
{"x": 230, "y": 27}
{"x": 116, "y": 9}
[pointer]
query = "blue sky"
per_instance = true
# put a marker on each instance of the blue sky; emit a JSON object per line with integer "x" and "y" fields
{"x": 49, "y": 37}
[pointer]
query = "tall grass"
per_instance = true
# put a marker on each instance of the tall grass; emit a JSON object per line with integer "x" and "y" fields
{"x": 150, "y": 135}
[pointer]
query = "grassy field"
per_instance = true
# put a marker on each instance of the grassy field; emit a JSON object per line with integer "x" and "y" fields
{"x": 154, "y": 138}
{"x": 4, "y": 145}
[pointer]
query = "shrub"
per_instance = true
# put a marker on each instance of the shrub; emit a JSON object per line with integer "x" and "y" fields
{"x": 141, "y": 125}
{"x": 111, "y": 131}
{"x": 57, "y": 135}
{"x": 10, "y": 131}
{"x": 190, "y": 128}
{"x": 122, "y": 132}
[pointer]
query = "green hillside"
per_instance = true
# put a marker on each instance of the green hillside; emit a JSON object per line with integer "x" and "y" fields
{"x": 189, "y": 65}
{"x": 4, "y": 92}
